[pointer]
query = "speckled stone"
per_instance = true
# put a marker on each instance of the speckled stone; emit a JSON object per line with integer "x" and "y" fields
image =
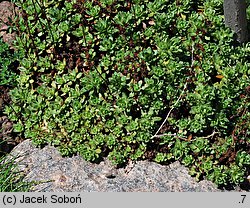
{"x": 57, "y": 173}
{"x": 7, "y": 10}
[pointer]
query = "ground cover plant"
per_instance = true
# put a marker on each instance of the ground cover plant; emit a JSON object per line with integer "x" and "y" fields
{"x": 11, "y": 179}
{"x": 8, "y": 64}
{"x": 8, "y": 80}
{"x": 159, "y": 80}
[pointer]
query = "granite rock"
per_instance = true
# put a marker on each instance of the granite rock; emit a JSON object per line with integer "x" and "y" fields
{"x": 8, "y": 11}
{"x": 68, "y": 174}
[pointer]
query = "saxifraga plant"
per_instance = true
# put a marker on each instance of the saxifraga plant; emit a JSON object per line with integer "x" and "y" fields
{"x": 8, "y": 64}
{"x": 160, "y": 80}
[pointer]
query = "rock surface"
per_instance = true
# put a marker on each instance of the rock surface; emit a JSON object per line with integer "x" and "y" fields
{"x": 7, "y": 11}
{"x": 59, "y": 174}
